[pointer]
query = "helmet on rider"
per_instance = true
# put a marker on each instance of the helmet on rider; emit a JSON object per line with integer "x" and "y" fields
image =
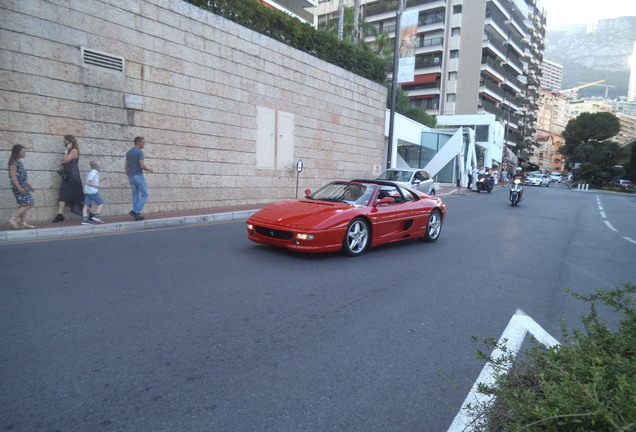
{"x": 519, "y": 169}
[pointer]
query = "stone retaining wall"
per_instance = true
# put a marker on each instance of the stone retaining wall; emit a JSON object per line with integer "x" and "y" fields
{"x": 225, "y": 111}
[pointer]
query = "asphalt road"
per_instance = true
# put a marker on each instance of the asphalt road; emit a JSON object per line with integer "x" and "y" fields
{"x": 198, "y": 329}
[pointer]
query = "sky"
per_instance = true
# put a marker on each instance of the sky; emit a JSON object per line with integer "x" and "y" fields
{"x": 585, "y": 11}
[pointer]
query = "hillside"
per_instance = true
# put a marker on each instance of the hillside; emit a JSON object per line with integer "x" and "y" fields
{"x": 601, "y": 52}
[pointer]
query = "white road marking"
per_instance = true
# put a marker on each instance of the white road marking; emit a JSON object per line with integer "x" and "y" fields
{"x": 603, "y": 215}
{"x": 609, "y": 225}
{"x": 600, "y": 207}
{"x": 512, "y": 337}
{"x": 630, "y": 240}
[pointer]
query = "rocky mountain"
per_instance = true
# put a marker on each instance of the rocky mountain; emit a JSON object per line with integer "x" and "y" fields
{"x": 596, "y": 52}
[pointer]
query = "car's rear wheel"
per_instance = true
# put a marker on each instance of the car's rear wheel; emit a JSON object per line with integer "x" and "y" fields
{"x": 356, "y": 238}
{"x": 434, "y": 227}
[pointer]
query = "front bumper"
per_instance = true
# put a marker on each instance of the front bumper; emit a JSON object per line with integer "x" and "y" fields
{"x": 321, "y": 241}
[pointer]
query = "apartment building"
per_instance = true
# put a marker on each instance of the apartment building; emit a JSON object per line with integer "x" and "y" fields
{"x": 552, "y": 114}
{"x": 472, "y": 56}
{"x": 296, "y": 8}
{"x": 627, "y": 134}
{"x": 588, "y": 105}
{"x": 551, "y": 75}
{"x": 631, "y": 91}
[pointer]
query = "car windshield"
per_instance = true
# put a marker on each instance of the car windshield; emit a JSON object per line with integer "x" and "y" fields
{"x": 352, "y": 193}
{"x": 396, "y": 175}
{"x": 535, "y": 176}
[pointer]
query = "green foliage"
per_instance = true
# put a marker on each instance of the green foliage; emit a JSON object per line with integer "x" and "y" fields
{"x": 382, "y": 45}
{"x": 587, "y": 384}
{"x": 284, "y": 28}
{"x": 590, "y": 127}
{"x": 586, "y": 143}
{"x": 420, "y": 116}
{"x": 403, "y": 106}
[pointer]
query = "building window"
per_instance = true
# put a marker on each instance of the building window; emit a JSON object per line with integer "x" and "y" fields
{"x": 457, "y": 9}
{"x": 450, "y": 97}
{"x": 431, "y": 18}
{"x": 455, "y": 31}
{"x": 452, "y": 76}
{"x": 454, "y": 54}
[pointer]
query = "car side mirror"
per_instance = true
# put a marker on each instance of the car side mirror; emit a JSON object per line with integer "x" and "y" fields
{"x": 416, "y": 181}
{"x": 385, "y": 201}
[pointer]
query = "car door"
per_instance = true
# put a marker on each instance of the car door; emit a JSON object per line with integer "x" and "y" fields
{"x": 425, "y": 181}
{"x": 394, "y": 221}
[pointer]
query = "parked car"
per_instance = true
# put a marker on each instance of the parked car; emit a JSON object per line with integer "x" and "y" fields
{"x": 556, "y": 177}
{"x": 621, "y": 185}
{"x": 415, "y": 178}
{"x": 538, "y": 179}
{"x": 350, "y": 216}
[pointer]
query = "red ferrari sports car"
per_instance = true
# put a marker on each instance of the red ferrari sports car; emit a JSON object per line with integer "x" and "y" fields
{"x": 349, "y": 216}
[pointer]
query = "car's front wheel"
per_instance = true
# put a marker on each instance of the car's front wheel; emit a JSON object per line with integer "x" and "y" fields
{"x": 356, "y": 238}
{"x": 434, "y": 227}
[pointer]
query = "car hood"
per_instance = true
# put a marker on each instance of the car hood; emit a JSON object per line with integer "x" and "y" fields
{"x": 302, "y": 213}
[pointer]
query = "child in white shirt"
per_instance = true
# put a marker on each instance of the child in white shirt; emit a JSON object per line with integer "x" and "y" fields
{"x": 91, "y": 195}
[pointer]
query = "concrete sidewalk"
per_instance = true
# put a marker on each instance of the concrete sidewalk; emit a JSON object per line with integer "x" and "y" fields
{"x": 72, "y": 227}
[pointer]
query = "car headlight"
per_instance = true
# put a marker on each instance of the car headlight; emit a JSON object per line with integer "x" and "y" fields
{"x": 250, "y": 227}
{"x": 302, "y": 236}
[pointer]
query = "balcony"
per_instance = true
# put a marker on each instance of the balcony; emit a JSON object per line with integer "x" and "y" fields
{"x": 383, "y": 7}
{"x": 427, "y": 45}
{"x": 491, "y": 87}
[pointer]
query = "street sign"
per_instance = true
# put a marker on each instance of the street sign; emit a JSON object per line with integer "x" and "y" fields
{"x": 299, "y": 165}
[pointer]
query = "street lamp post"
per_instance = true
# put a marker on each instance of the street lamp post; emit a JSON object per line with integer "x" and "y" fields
{"x": 396, "y": 57}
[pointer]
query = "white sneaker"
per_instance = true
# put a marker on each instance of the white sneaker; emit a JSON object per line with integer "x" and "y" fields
{"x": 86, "y": 222}
{"x": 98, "y": 220}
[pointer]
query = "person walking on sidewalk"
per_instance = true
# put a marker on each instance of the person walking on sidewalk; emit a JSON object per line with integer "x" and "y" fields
{"x": 71, "y": 192}
{"x": 91, "y": 196}
{"x": 135, "y": 168}
{"x": 20, "y": 187}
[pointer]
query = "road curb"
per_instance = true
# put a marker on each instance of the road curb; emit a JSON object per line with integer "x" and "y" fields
{"x": 119, "y": 227}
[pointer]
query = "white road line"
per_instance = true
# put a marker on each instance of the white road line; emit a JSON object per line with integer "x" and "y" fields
{"x": 600, "y": 207}
{"x": 519, "y": 325}
{"x": 609, "y": 225}
{"x": 630, "y": 240}
{"x": 603, "y": 215}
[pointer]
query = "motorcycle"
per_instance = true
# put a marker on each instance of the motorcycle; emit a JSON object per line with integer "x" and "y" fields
{"x": 485, "y": 183}
{"x": 516, "y": 188}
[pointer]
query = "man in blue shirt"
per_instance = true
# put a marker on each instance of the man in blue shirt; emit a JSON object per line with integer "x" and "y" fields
{"x": 135, "y": 168}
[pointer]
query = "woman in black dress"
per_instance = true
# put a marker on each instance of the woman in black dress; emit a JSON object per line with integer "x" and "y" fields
{"x": 71, "y": 191}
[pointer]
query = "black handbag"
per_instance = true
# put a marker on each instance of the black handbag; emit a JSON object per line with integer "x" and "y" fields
{"x": 63, "y": 174}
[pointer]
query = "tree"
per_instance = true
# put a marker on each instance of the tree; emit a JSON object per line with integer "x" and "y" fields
{"x": 630, "y": 167}
{"x": 350, "y": 29}
{"x": 586, "y": 143}
{"x": 403, "y": 106}
{"x": 291, "y": 31}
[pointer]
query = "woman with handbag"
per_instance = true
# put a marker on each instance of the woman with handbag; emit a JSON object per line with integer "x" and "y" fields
{"x": 71, "y": 191}
{"x": 20, "y": 187}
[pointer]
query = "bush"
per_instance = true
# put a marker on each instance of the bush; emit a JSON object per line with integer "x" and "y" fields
{"x": 289, "y": 30}
{"x": 587, "y": 384}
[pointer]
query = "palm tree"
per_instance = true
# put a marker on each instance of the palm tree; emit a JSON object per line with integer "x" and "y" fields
{"x": 348, "y": 18}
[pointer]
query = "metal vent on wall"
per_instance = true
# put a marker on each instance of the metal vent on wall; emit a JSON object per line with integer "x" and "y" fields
{"x": 101, "y": 60}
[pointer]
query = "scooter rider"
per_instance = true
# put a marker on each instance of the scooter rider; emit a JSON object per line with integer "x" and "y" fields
{"x": 519, "y": 175}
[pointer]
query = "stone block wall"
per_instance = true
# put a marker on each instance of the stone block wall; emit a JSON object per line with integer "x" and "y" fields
{"x": 197, "y": 82}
